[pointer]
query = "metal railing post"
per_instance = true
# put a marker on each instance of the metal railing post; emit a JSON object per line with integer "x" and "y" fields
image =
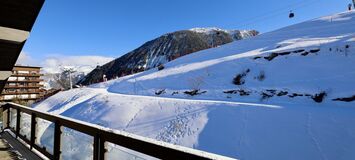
{"x": 33, "y": 130}
{"x": 102, "y": 149}
{"x": 57, "y": 139}
{"x": 18, "y": 118}
{"x": 2, "y": 118}
{"x": 4, "y": 114}
{"x": 2, "y": 109}
{"x": 8, "y": 116}
{"x": 96, "y": 147}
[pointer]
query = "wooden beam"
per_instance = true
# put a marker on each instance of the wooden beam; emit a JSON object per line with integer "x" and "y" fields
{"x": 13, "y": 35}
{"x": 5, "y": 75}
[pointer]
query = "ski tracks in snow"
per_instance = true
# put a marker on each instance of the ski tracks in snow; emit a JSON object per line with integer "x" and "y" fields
{"x": 313, "y": 137}
{"x": 134, "y": 117}
{"x": 243, "y": 135}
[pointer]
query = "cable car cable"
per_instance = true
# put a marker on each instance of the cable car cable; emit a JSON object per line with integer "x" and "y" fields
{"x": 274, "y": 13}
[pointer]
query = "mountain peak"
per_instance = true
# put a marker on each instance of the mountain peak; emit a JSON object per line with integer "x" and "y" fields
{"x": 235, "y": 34}
{"x": 207, "y": 30}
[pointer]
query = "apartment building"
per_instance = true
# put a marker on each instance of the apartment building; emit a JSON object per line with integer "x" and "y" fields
{"x": 24, "y": 84}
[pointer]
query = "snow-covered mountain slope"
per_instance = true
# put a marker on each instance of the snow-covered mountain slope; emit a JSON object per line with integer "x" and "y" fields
{"x": 164, "y": 49}
{"x": 286, "y": 94}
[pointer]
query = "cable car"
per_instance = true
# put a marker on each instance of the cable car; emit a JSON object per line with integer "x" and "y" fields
{"x": 291, "y": 15}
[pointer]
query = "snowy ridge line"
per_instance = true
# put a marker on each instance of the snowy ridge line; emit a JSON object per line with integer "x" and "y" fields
{"x": 303, "y": 38}
{"x": 316, "y": 28}
{"x": 121, "y": 133}
{"x": 332, "y": 19}
{"x": 299, "y": 39}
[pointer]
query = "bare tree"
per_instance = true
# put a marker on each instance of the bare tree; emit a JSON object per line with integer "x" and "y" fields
{"x": 196, "y": 82}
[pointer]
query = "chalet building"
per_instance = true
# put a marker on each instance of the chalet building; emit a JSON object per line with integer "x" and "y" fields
{"x": 23, "y": 85}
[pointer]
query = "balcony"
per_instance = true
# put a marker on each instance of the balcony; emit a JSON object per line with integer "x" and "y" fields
{"x": 22, "y": 123}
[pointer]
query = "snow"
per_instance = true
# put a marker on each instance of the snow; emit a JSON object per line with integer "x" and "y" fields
{"x": 242, "y": 127}
{"x": 209, "y": 30}
{"x": 213, "y": 30}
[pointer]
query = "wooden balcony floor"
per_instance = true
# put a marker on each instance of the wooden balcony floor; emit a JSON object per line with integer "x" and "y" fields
{"x": 12, "y": 149}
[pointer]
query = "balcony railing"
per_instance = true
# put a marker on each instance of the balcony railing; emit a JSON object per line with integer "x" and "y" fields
{"x": 26, "y": 75}
{"x": 23, "y": 86}
{"x": 20, "y": 92}
{"x": 24, "y": 80}
{"x": 2, "y": 98}
{"x": 100, "y": 137}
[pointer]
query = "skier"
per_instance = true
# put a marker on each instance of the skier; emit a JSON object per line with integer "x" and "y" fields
{"x": 104, "y": 78}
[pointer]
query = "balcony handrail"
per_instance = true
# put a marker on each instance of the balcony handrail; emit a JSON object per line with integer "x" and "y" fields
{"x": 27, "y": 74}
{"x": 22, "y": 86}
{"x": 21, "y": 92}
{"x": 101, "y": 135}
{"x": 25, "y": 80}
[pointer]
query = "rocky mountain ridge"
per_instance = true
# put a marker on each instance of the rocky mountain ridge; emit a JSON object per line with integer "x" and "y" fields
{"x": 164, "y": 49}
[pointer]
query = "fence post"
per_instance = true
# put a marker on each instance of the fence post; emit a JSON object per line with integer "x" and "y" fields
{"x": 8, "y": 116}
{"x": 96, "y": 147}
{"x": 57, "y": 139}
{"x": 102, "y": 149}
{"x": 18, "y": 118}
{"x": 33, "y": 130}
{"x": 4, "y": 109}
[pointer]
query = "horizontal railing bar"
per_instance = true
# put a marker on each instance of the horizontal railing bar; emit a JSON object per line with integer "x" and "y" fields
{"x": 64, "y": 122}
{"x": 139, "y": 144}
{"x": 151, "y": 149}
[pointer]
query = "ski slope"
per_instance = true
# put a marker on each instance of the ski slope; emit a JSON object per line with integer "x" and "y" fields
{"x": 269, "y": 113}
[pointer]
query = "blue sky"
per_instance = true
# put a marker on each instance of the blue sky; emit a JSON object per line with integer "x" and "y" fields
{"x": 114, "y": 27}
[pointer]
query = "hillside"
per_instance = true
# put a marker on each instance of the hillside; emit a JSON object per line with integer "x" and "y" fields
{"x": 164, "y": 49}
{"x": 286, "y": 94}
